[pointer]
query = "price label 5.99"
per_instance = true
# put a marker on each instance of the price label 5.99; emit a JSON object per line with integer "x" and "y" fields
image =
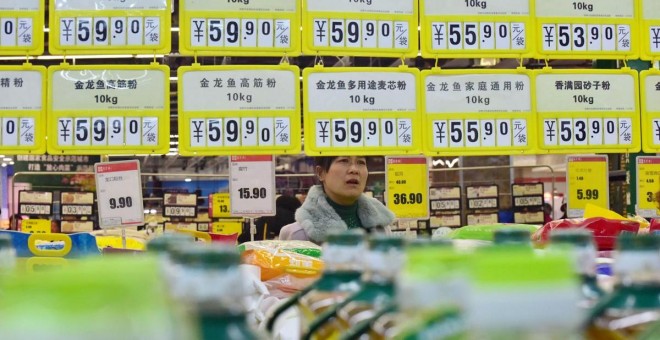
{"x": 407, "y": 186}
{"x": 588, "y": 183}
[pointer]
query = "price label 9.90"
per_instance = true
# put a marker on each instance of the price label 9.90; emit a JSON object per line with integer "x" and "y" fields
{"x": 407, "y": 186}
{"x": 588, "y": 183}
{"x": 119, "y": 193}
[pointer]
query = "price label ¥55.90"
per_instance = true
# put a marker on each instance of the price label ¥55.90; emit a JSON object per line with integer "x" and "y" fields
{"x": 119, "y": 193}
{"x": 252, "y": 185}
{"x": 588, "y": 183}
{"x": 407, "y": 186}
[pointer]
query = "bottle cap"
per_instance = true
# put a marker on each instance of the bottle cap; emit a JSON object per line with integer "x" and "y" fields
{"x": 165, "y": 242}
{"x": 576, "y": 237}
{"x": 347, "y": 238}
{"x": 383, "y": 242}
{"x": 629, "y": 241}
{"x": 512, "y": 236}
{"x": 5, "y": 241}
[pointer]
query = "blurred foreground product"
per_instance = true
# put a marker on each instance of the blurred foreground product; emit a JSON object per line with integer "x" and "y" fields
{"x": 516, "y": 294}
{"x": 96, "y": 298}
{"x": 632, "y": 311}
{"x": 430, "y": 296}
{"x": 286, "y": 266}
{"x": 341, "y": 255}
{"x": 210, "y": 282}
{"x": 7, "y": 254}
{"x": 580, "y": 246}
{"x": 383, "y": 262}
{"x": 605, "y": 230}
{"x": 512, "y": 236}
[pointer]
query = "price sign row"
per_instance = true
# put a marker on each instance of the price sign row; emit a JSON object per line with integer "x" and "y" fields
{"x": 467, "y": 28}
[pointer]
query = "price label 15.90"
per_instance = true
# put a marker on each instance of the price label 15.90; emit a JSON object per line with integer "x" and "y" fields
{"x": 569, "y": 29}
{"x": 119, "y": 194}
{"x": 588, "y": 110}
{"x": 252, "y": 185}
{"x": 407, "y": 186}
{"x": 648, "y": 186}
{"x": 361, "y": 111}
{"x": 587, "y": 182}
{"x": 21, "y": 25}
{"x": 470, "y": 28}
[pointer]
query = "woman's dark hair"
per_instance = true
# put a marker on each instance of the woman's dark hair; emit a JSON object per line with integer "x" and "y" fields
{"x": 324, "y": 162}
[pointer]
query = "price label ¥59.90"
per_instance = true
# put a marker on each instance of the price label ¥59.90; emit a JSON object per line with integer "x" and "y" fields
{"x": 252, "y": 185}
{"x": 407, "y": 186}
{"x": 588, "y": 183}
{"x": 119, "y": 194}
{"x": 648, "y": 186}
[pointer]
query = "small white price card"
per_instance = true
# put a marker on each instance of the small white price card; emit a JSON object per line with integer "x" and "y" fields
{"x": 246, "y": 110}
{"x": 648, "y": 186}
{"x": 588, "y": 29}
{"x": 21, "y": 23}
{"x": 474, "y": 28}
{"x": 109, "y": 109}
{"x": 119, "y": 194}
{"x": 361, "y": 111}
{"x": 252, "y": 185}
{"x": 587, "y": 182}
{"x": 650, "y": 92}
{"x": 240, "y": 27}
{"x": 480, "y": 219}
{"x": 588, "y": 110}
{"x": 407, "y": 181}
{"x": 383, "y": 28}
{"x": 478, "y": 112}
{"x": 109, "y": 27}
{"x": 22, "y": 109}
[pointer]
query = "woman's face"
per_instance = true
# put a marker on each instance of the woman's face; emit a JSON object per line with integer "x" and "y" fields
{"x": 345, "y": 179}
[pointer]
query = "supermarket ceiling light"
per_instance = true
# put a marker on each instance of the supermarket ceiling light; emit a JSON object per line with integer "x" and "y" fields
{"x": 188, "y": 180}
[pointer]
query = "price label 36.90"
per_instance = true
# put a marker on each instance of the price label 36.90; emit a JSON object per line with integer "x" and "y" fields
{"x": 407, "y": 186}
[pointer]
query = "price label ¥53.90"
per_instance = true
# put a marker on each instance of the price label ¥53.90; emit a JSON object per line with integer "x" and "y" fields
{"x": 119, "y": 194}
{"x": 588, "y": 183}
{"x": 252, "y": 185}
{"x": 648, "y": 186}
{"x": 407, "y": 186}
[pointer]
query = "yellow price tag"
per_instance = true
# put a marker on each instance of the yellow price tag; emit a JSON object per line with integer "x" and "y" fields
{"x": 227, "y": 227}
{"x": 361, "y": 111}
{"x": 110, "y": 27}
{"x": 648, "y": 186}
{"x": 23, "y": 111}
{"x": 36, "y": 226}
{"x": 476, "y": 28}
{"x": 407, "y": 181}
{"x": 603, "y": 29}
{"x": 248, "y": 110}
{"x": 22, "y": 22}
{"x": 587, "y": 182}
{"x": 650, "y": 102}
{"x": 458, "y": 107}
{"x": 588, "y": 110}
{"x": 240, "y": 27}
{"x": 221, "y": 205}
{"x": 383, "y": 28}
{"x": 108, "y": 109}
{"x": 649, "y": 29}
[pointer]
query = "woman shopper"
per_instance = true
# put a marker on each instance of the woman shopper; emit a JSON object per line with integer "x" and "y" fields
{"x": 338, "y": 203}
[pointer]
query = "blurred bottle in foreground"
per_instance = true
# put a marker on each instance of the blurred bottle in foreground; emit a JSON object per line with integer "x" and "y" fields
{"x": 633, "y": 308}
{"x": 579, "y": 244}
{"x": 7, "y": 254}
